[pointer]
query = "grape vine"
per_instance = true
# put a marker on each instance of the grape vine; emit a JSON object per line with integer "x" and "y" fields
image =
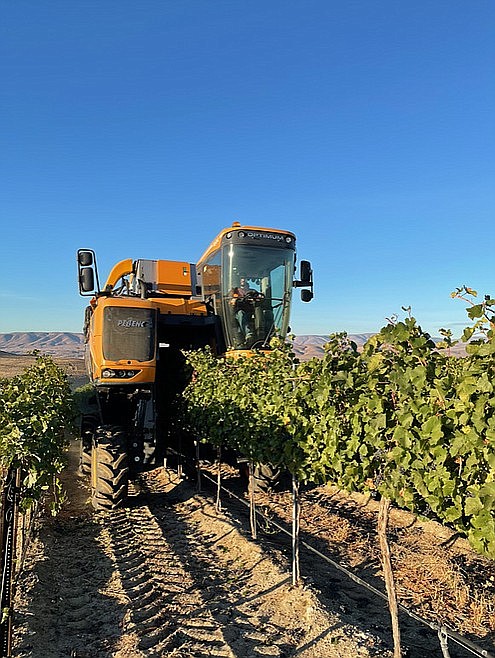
{"x": 35, "y": 414}
{"x": 402, "y": 417}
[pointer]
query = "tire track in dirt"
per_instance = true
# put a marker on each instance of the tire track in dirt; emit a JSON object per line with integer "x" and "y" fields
{"x": 168, "y": 576}
{"x": 167, "y": 611}
{"x": 248, "y": 595}
{"x": 193, "y": 593}
{"x": 69, "y": 601}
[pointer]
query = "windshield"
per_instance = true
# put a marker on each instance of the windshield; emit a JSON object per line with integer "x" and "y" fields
{"x": 256, "y": 294}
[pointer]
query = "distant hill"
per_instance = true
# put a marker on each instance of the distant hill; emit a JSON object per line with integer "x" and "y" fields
{"x": 67, "y": 344}
{"x": 71, "y": 345}
{"x": 307, "y": 347}
{"x": 55, "y": 343}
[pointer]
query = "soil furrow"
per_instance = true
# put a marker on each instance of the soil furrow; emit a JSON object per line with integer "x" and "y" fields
{"x": 168, "y": 576}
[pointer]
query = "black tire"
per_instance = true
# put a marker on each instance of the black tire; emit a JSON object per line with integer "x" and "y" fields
{"x": 266, "y": 477}
{"x": 109, "y": 468}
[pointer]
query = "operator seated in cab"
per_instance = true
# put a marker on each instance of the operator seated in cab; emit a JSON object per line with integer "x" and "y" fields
{"x": 244, "y": 301}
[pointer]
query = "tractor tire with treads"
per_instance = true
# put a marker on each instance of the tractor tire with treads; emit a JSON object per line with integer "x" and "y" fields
{"x": 109, "y": 468}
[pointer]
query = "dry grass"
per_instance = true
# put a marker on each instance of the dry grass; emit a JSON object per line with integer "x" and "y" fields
{"x": 430, "y": 581}
{"x": 15, "y": 364}
{"x": 437, "y": 574}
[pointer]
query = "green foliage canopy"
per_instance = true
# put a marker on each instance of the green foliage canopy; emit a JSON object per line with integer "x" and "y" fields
{"x": 35, "y": 413}
{"x": 401, "y": 417}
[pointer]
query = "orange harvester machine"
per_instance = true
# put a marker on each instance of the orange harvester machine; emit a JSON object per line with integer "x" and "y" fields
{"x": 148, "y": 312}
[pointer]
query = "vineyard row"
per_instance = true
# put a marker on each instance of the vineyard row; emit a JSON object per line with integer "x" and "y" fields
{"x": 400, "y": 418}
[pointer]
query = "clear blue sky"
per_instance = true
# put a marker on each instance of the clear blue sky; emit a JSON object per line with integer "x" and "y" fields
{"x": 141, "y": 129}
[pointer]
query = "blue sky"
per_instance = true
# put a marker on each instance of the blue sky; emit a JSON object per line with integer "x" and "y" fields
{"x": 141, "y": 129}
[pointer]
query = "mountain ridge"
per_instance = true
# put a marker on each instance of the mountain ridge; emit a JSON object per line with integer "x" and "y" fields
{"x": 69, "y": 344}
{"x": 54, "y": 343}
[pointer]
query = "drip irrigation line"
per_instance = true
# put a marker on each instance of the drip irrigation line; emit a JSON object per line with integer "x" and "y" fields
{"x": 440, "y": 629}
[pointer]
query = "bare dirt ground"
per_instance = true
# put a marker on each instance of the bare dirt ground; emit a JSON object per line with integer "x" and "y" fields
{"x": 170, "y": 575}
{"x": 167, "y": 576}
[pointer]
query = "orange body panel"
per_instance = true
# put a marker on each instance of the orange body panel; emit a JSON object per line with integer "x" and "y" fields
{"x": 178, "y": 306}
{"x": 173, "y": 277}
{"x": 169, "y": 287}
{"x": 118, "y": 271}
{"x": 96, "y": 361}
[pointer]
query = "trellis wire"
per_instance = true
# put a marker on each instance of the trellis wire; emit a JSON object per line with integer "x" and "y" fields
{"x": 447, "y": 633}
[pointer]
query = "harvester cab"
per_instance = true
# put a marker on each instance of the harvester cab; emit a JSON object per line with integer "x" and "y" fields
{"x": 147, "y": 313}
{"x": 247, "y": 276}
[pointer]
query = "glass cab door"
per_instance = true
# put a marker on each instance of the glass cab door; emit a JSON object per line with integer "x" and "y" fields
{"x": 256, "y": 294}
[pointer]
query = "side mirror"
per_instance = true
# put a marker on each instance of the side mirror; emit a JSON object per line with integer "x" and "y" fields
{"x": 85, "y": 258}
{"x": 306, "y": 281}
{"x": 86, "y": 280}
{"x": 306, "y": 273}
{"x": 88, "y": 274}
